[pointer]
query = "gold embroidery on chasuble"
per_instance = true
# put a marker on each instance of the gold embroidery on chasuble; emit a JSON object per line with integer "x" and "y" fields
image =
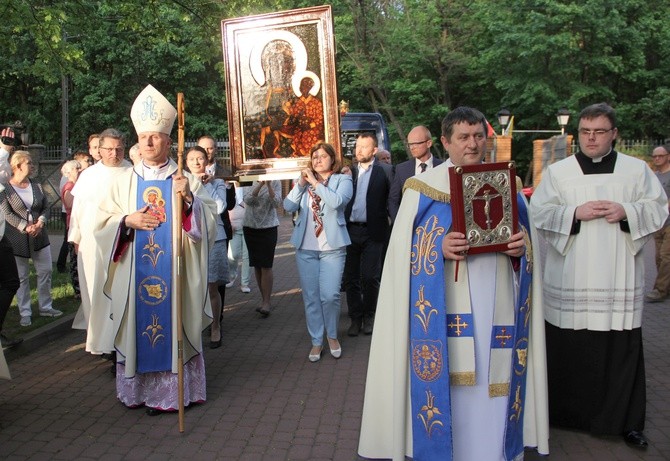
{"x": 520, "y": 356}
{"x": 153, "y": 331}
{"x": 424, "y": 189}
{"x": 529, "y": 250}
{"x": 524, "y": 310}
{"x": 462, "y": 378}
{"x": 503, "y": 337}
{"x": 155, "y": 250}
{"x": 525, "y": 307}
{"x": 427, "y": 360}
{"x": 498, "y": 390}
{"x": 426, "y": 310}
{"x": 424, "y": 252}
{"x": 153, "y": 290}
{"x": 458, "y": 326}
{"x": 429, "y": 414}
{"x": 517, "y": 406}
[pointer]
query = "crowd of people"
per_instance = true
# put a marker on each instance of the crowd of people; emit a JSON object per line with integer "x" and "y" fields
{"x": 473, "y": 355}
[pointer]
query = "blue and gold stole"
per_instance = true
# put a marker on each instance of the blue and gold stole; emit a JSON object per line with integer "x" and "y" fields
{"x": 153, "y": 279}
{"x": 517, "y": 396}
{"x": 431, "y": 325}
{"x": 431, "y": 407}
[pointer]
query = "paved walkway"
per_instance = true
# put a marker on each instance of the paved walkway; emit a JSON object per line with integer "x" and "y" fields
{"x": 266, "y": 401}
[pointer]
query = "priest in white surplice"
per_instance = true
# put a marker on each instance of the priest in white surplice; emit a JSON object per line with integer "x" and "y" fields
{"x": 497, "y": 392}
{"x": 140, "y": 217}
{"x": 91, "y": 188}
{"x": 596, "y": 210}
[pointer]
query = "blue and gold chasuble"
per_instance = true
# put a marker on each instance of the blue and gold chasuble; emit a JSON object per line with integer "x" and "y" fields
{"x": 153, "y": 279}
{"x": 434, "y": 326}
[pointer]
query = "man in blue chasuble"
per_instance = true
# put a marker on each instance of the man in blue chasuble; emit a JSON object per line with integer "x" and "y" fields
{"x": 140, "y": 217}
{"x": 457, "y": 368}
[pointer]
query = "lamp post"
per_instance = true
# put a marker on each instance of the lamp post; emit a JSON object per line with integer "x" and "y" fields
{"x": 563, "y": 116}
{"x": 503, "y": 118}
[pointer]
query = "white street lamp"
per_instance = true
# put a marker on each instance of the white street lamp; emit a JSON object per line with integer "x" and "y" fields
{"x": 503, "y": 118}
{"x": 563, "y": 116}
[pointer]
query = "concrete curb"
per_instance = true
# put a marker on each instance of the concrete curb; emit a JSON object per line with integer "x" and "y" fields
{"x": 40, "y": 337}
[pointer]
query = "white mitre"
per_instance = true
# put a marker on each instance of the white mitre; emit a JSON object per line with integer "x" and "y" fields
{"x": 151, "y": 111}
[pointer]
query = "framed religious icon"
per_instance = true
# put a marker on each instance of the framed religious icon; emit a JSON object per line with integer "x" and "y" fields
{"x": 281, "y": 90}
{"x": 484, "y": 207}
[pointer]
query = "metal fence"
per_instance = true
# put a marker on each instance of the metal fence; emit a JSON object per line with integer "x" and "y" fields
{"x": 637, "y": 147}
{"x": 50, "y": 159}
{"x": 55, "y": 153}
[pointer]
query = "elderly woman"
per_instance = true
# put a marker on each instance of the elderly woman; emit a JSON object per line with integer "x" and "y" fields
{"x": 26, "y": 209}
{"x": 320, "y": 237}
{"x": 260, "y": 225}
{"x": 217, "y": 273}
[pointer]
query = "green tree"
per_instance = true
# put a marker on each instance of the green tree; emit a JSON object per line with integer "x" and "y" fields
{"x": 411, "y": 60}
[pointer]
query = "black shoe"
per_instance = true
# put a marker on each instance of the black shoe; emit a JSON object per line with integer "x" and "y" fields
{"x": 6, "y": 342}
{"x": 636, "y": 439}
{"x": 354, "y": 328}
{"x": 154, "y": 411}
{"x": 215, "y": 344}
{"x": 367, "y": 325}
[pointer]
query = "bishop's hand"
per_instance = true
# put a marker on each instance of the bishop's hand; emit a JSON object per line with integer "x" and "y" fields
{"x": 141, "y": 220}
{"x": 180, "y": 184}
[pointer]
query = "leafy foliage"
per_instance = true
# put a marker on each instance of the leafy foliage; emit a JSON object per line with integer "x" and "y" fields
{"x": 411, "y": 60}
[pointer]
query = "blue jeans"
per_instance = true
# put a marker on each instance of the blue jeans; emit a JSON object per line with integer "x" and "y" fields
{"x": 320, "y": 277}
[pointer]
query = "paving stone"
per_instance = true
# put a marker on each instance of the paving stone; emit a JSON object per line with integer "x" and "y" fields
{"x": 266, "y": 401}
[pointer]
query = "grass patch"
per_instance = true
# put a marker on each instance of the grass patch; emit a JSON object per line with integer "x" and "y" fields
{"x": 63, "y": 300}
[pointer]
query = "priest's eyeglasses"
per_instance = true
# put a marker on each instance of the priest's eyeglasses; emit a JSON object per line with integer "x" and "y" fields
{"x": 416, "y": 144}
{"x": 118, "y": 150}
{"x": 597, "y": 133}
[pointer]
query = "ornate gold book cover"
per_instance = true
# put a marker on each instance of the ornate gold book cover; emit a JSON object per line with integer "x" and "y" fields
{"x": 484, "y": 208}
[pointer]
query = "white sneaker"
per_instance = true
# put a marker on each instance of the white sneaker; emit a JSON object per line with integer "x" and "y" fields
{"x": 25, "y": 321}
{"x": 50, "y": 313}
{"x": 231, "y": 283}
{"x": 245, "y": 289}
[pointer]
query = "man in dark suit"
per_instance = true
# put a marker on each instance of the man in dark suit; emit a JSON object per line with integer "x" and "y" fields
{"x": 419, "y": 141}
{"x": 368, "y": 226}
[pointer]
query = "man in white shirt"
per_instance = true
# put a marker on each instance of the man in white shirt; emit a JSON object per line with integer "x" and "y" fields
{"x": 597, "y": 209}
{"x": 368, "y": 226}
{"x": 92, "y": 186}
{"x": 419, "y": 142}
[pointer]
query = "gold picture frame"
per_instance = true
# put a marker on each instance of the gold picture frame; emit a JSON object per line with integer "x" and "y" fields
{"x": 281, "y": 90}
